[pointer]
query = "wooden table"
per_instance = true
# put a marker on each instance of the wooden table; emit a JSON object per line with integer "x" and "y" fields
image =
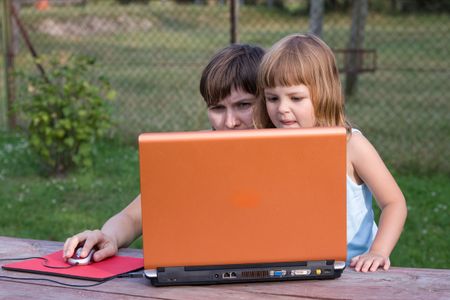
{"x": 397, "y": 283}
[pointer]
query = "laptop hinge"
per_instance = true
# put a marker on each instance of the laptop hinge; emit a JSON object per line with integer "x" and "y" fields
{"x": 151, "y": 273}
{"x": 339, "y": 265}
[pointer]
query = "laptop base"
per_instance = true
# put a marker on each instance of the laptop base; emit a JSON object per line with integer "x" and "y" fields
{"x": 202, "y": 275}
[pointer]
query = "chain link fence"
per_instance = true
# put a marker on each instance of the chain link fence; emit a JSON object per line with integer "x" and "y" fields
{"x": 153, "y": 53}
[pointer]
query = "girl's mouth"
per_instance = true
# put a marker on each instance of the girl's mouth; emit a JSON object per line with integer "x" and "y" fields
{"x": 287, "y": 122}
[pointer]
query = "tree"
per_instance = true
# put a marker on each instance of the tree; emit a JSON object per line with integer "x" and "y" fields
{"x": 355, "y": 44}
{"x": 316, "y": 17}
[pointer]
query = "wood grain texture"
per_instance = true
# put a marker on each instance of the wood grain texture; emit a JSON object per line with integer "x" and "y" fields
{"x": 397, "y": 283}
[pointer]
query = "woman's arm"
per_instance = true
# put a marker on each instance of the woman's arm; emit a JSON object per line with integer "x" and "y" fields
{"x": 119, "y": 231}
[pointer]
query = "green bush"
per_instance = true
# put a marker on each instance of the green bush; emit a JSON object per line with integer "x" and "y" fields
{"x": 66, "y": 111}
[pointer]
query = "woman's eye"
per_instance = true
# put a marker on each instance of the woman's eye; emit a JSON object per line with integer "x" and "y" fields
{"x": 216, "y": 108}
{"x": 296, "y": 99}
{"x": 244, "y": 105}
{"x": 271, "y": 99}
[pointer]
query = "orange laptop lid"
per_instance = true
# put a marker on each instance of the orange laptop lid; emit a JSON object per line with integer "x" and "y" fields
{"x": 243, "y": 197}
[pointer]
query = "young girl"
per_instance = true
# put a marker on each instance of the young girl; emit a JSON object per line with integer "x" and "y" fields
{"x": 299, "y": 86}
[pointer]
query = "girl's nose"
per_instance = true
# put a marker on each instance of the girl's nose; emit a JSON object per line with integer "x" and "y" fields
{"x": 283, "y": 106}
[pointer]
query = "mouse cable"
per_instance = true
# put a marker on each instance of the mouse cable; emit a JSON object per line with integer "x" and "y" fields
{"x": 55, "y": 281}
{"x": 131, "y": 275}
{"x": 125, "y": 275}
{"x": 44, "y": 263}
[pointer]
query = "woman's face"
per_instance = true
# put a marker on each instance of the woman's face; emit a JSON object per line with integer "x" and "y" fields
{"x": 234, "y": 112}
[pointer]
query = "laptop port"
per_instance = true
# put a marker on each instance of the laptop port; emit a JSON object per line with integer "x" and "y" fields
{"x": 301, "y": 272}
{"x": 228, "y": 275}
{"x": 255, "y": 274}
{"x": 277, "y": 273}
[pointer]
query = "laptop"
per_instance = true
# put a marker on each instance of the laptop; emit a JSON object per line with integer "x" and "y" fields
{"x": 243, "y": 206}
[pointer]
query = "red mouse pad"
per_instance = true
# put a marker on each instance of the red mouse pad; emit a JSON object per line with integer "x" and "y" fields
{"x": 97, "y": 271}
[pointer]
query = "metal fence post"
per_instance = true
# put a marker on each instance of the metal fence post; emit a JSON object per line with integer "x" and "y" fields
{"x": 7, "y": 116}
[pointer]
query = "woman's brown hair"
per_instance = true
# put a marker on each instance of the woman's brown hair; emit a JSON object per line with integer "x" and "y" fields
{"x": 232, "y": 68}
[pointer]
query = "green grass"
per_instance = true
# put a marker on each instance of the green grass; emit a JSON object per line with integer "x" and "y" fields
{"x": 54, "y": 208}
{"x": 32, "y": 206}
{"x": 403, "y": 108}
{"x": 424, "y": 242}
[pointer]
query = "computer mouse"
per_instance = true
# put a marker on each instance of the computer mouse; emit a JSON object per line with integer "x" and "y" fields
{"x": 77, "y": 260}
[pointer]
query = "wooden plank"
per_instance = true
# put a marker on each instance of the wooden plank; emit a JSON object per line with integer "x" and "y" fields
{"x": 136, "y": 287}
{"x": 18, "y": 290}
{"x": 397, "y": 283}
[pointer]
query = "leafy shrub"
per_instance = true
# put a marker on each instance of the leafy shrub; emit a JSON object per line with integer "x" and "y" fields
{"x": 66, "y": 112}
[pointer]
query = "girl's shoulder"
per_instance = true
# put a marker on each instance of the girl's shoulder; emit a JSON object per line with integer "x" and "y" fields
{"x": 359, "y": 147}
{"x": 362, "y": 158}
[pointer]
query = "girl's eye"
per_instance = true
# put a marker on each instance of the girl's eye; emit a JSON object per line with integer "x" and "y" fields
{"x": 296, "y": 99}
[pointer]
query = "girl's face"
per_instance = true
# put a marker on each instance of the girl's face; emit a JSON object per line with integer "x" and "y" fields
{"x": 290, "y": 107}
{"x": 233, "y": 112}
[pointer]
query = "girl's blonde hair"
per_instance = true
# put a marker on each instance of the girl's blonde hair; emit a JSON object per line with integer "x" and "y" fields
{"x": 302, "y": 59}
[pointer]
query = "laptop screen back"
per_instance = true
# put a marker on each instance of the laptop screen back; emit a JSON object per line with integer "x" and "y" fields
{"x": 243, "y": 197}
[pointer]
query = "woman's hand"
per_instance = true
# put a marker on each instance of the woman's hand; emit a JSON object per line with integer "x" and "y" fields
{"x": 105, "y": 245}
{"x": 369, "y": 262}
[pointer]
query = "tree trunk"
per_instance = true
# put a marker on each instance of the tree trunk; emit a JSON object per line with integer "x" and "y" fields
{"x": 234, "y": 20}
{"x": 15, "y": 29}
{"x": 316, "y": 17}
{"x": 10, "y": 90}
{"x": 354, "y": 56}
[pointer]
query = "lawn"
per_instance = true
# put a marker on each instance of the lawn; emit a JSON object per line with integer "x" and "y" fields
{"x": 32, "y": 206}
{"x": 153, "y": 54}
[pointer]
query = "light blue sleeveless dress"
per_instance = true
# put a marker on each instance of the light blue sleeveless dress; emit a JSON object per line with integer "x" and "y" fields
{"x": 361, "y": 227}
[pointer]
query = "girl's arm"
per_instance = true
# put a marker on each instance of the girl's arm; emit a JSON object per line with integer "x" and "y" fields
{"x": 370, "y": 168}
{"x": 119, "y": 231}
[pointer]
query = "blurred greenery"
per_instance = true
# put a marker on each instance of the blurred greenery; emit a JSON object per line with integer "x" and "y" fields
{"x": 153, "y": 55}
{"x": 66, "y": 111}
{"x": 403, "y": 108}
{"x": 55, "y": 208}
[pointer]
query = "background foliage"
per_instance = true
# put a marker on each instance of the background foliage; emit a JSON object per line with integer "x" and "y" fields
{"x": 66, "y": 111}
{"x": 53, "y": 209}
{"x": 153, "y": 53}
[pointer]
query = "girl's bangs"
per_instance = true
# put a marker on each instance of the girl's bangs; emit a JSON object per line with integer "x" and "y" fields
{"x": 286, "y": 70}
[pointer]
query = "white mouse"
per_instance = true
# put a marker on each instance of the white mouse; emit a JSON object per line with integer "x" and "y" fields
{"x": 77, "y": 260}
